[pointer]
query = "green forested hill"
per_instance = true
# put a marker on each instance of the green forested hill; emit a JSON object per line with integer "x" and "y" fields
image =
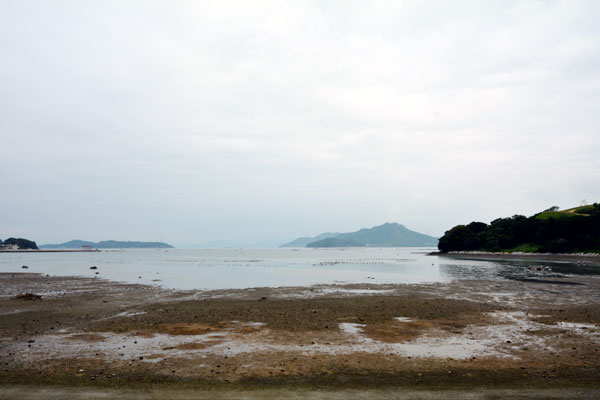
{"x": 22, "y": 243}
{"x": 551, "y": 231}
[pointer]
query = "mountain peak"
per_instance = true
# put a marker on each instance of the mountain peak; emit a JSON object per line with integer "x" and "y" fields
{"x": 389, "y": 234}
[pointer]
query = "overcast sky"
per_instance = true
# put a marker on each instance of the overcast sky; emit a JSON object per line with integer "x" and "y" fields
{"x": 192, "y": 121}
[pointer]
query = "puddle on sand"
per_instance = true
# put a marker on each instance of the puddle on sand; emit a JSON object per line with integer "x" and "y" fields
{"x": 458, "y": 347}
{"x": 354, "y": 291}
{"x": 130, "y": 314}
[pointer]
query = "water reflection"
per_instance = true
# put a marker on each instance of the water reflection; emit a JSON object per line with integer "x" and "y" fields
{"x": 243, "y": 268}
{"x": 453, "y": 269}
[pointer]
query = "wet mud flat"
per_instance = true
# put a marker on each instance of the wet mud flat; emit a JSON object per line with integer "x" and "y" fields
{"x": 587, "y": 258}
{"x": 93, "y": 334}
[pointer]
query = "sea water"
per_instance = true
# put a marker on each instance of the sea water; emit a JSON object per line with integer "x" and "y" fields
{"x": 207, "y": 269}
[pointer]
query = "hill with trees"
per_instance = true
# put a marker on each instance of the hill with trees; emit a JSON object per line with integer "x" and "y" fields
{"x": 386, "y": 235}
{"x": 551, "y": 231}
{"x": 335, "y": 242}
{"x": 22, "y": 243}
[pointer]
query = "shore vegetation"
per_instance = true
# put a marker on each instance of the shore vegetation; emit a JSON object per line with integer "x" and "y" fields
{"x": 574, "y": 230}
{"x": 21, "y": 243}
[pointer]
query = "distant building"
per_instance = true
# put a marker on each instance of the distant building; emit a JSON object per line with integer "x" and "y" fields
{"x": 87, "y": 248}
{"x": 9, "y": 247}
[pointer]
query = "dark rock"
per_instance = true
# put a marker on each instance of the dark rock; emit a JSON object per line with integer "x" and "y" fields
{"x": 29, "y": 296}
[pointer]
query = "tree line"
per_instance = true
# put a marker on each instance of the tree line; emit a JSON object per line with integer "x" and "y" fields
{"x": 551, "y": 231}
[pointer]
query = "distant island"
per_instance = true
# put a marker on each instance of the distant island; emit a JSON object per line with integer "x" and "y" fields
{"x": 17, "y": 244}
{"x": 386, "y": 235}
{"x": 575, "y": 230}
{"x": 107, "y": 244}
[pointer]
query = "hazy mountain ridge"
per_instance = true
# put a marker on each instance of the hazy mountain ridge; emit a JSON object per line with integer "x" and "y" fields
{"x": 232, "y": 244}
{"x": 107, "y": 244}
{"x": 386, "y": 235}
{"x": 303, "y": 241}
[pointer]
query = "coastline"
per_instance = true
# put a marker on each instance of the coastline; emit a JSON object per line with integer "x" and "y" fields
{"x": 590, "y": 258}
{"x": 477, "y": 334}
{"x": 51, "y": 251}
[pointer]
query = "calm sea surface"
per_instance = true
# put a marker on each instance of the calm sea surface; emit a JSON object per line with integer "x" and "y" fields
{"x": 245, "y": 268}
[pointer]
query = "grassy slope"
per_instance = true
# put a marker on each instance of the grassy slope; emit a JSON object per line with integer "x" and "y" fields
{"x": 569, "y": 213}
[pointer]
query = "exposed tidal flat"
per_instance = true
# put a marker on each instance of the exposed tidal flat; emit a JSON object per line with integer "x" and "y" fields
{"x": 463, "y": 328}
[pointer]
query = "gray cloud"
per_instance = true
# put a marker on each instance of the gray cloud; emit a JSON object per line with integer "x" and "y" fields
{"x": 196, "y": 121}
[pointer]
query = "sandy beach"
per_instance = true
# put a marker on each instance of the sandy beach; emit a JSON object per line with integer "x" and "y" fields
{"x": 538, "y": 338}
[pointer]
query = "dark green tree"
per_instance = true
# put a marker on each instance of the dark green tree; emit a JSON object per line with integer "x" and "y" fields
{"x": 22, "y": 243}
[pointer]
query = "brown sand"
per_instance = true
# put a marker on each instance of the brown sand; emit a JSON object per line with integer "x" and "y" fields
{"x": 462, "y": 334}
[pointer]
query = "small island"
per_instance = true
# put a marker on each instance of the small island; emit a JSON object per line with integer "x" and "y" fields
{"x": 12, "y": 244}
{"x": 386, "y": 235}
{"x": 26, "y": 245}
{"x": 107, "y": 244}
